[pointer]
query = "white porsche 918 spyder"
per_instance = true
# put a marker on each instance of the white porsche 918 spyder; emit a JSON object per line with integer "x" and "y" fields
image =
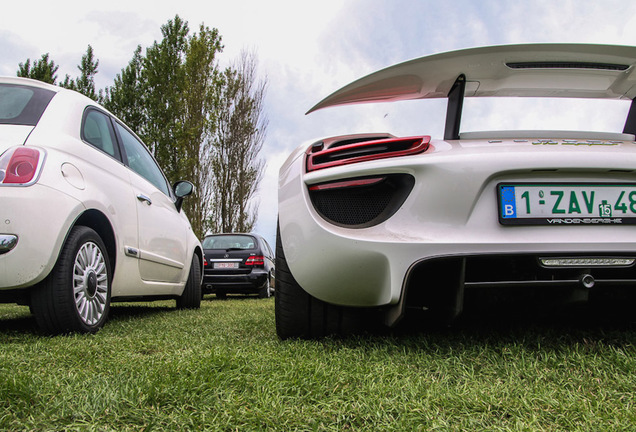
{"x": 385, "y": 224}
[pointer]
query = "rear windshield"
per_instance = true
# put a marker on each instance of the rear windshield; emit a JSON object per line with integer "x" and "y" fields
{"x": 23, "y": 105}
{"x": 230, "y": 241}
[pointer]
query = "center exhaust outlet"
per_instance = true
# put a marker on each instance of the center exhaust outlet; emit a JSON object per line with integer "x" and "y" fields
{"x": 587, "y": 280}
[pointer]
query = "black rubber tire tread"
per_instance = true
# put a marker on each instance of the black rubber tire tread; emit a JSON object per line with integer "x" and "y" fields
{"x": 300, "y": 315}
{"x": 52, "y": 300}
{"x": 191, "y": 297}
{"x": 265, "y": 291}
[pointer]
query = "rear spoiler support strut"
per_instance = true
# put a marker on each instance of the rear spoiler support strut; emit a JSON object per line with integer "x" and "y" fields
{"x": 455, "y": 106}
{"x": 630, "y": 122}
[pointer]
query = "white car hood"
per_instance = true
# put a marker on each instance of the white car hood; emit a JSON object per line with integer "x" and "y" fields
{"x": 13, "y": 135}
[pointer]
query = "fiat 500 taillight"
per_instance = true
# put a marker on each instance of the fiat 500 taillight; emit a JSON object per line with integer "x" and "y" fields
{"x": 21, "y": 166}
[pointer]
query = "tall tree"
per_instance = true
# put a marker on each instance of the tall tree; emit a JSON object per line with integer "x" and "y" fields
{"x": 240, "y": 132}
{"x": 200, "y": 97}
{"x": 169, "y": 98}
{"x": 126, "y": 97}
{"x": 43, "y": 70}
{"x": 163, "y": 76}
{"x": 85, "y": 83}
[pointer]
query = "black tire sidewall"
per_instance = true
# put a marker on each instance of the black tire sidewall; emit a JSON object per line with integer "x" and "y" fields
{"x": 191, "y": 296}
{"x": 54, "y": 301}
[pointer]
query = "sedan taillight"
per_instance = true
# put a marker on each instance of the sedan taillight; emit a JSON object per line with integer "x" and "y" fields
{"x": 20, "y": 166}
{"x": 256, "y": 261}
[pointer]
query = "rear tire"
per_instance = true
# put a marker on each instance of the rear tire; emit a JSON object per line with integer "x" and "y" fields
{"x": 191, "y": 297}
{"x": 300, "y": 315}
{"x": 75, "y": 296}
{"x": 266, "y": 290}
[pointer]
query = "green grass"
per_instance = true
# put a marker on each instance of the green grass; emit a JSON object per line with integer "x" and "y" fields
{"x": 223, "y": 368}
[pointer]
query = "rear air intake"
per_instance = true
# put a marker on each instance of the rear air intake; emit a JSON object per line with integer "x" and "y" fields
{"x": 361, "y": 202}
{"x": 568, "y": 65}
{"x": 337, "y": 154}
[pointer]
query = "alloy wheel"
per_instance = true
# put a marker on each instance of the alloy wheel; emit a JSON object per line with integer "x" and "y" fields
{"x": 90, "y": 283}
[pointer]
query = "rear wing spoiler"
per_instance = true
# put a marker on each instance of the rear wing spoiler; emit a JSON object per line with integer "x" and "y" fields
{"x": 534, "y": 70}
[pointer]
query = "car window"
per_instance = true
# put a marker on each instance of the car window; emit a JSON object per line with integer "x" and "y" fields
{"x": 97, "y": 130}
{"x": 269, "y": 250}
{"x": 21, "y": 105}
{"x": 141, "y": 161}
{"x": 234, "y": 241}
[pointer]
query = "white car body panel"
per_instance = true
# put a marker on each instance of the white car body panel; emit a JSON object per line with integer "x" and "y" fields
{"x": 78, "y": 179}
{"x": 11, "y": 135}
{"x": 452, "y": 209}
{"x": 162, "y": 254}
{"x": 466, "y": 225}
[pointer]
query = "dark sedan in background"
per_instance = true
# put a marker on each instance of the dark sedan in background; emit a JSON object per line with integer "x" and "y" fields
{"x": 238, "y": 264}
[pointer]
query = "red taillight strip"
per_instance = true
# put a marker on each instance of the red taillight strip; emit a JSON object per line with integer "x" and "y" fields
{"x": 256, "y": 260}
{"x": 20, "y": 166}
{"x": 365, "y": 151}
{"x": 346, "y": 184}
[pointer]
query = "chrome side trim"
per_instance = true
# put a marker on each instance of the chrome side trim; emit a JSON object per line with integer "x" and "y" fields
{"x": 132, "y": 252}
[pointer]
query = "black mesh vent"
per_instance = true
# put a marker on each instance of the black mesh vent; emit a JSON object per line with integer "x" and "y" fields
{"x": 363, "y": 206}
{"x": 568, "y": 65}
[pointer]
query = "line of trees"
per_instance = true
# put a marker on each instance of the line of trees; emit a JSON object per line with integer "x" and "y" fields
{"x": 201, "y": 123}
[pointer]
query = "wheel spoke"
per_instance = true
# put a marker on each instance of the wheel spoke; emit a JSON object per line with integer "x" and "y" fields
{"x": 90, "y": 283}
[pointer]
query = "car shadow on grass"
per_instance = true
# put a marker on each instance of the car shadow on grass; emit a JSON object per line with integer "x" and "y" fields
{"x": 20, "y": 324}
{"x": 18, "y": 319}
{"x": 232, "y": 297}
{"x": 128, "y": 311}
{"x": 555, "y": 327}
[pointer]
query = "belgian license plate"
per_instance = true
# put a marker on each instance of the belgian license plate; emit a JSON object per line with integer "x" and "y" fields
{"x": 567, "y": 204}
{"x": 226, "y": 265}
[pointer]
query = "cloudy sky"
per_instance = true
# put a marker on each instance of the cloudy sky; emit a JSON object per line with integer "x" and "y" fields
{"x": 308, "y": 49}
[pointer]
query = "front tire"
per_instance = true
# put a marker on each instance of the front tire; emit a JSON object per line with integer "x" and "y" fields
{"x": 75, "y": 296}
{"x": 191, "y": 297}
{"x": 300, "y": 315}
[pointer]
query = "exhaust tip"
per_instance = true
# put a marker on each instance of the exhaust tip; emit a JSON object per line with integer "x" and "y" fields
{"x": 587, "y": 280}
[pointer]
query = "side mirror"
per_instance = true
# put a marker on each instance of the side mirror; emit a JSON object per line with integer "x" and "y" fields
{"x": 181, "y": 190}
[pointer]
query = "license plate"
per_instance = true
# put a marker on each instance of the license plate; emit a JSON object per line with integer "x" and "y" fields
{"x": 226, "y": 265}
{"x": 567, "y": 204}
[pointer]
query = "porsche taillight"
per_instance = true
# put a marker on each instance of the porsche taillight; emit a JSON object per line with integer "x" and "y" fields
{"x": 256, "y": 261}
{"x": 319, "y": 156}
{"x": 20, "y": 166}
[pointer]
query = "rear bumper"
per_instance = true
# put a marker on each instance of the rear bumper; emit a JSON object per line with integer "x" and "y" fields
{"x": 30, "y": 241}
{"x": 249, "y": 283}
{"x": 445, "y": 284}
{"x": 452, "y": 211}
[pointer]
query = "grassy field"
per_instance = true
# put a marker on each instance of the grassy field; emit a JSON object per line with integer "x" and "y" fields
{"x": 223, "y": 368}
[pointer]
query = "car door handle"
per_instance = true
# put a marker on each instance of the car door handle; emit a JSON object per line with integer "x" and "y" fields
{"x": 142, "y": 197}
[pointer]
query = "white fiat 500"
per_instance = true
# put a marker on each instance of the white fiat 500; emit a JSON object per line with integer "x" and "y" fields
{"x": 379, "y": 225}
{"x": 86, "y": 215}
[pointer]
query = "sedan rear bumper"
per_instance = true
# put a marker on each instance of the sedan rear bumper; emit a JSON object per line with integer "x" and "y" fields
{"x": 249, "y": 283}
